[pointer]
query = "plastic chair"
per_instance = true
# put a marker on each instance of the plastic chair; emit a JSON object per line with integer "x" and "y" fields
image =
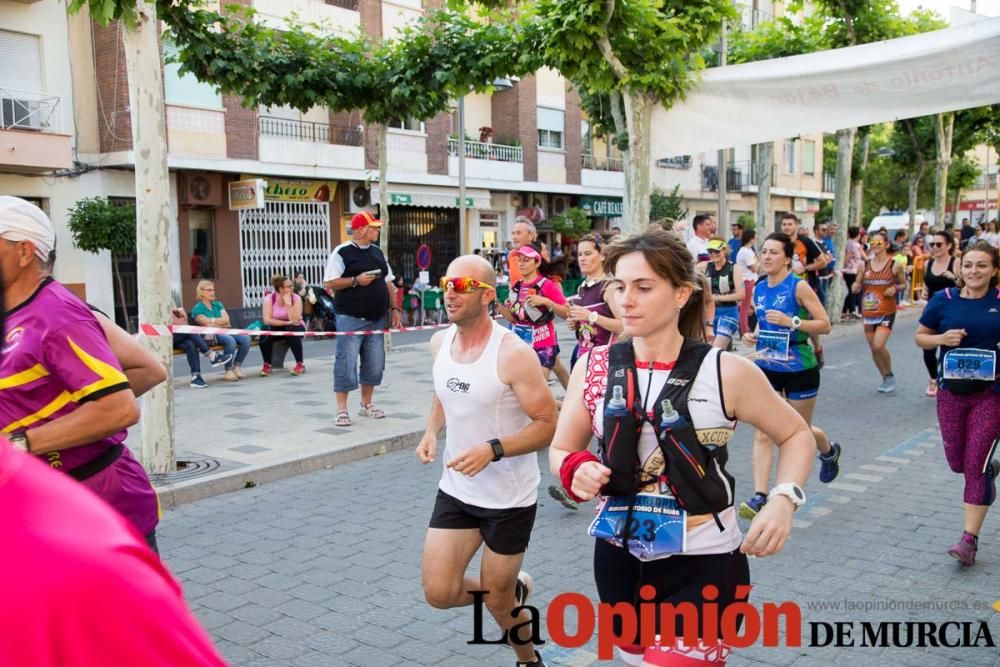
{"x": 411, "y": 307}
{"x": 503, "y": 291}
{"x": 432, "y": 305}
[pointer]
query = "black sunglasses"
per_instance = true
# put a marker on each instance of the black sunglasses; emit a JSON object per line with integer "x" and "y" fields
{"x": 937, "y": 244}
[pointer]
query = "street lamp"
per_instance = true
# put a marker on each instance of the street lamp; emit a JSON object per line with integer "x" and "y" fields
{"x": 498, "y": 84}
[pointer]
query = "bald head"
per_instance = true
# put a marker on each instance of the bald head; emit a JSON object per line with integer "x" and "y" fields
{"x": 473, "y": 266}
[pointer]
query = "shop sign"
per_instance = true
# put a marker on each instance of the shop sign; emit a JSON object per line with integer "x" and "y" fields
{"x": 803, "y": 205}
{"x": 603, "y": 207}
{"x": 298, "y": 191}
{"x": 396, "y": 198}
{"x": 248, "y": 194}
{"x": 469, "y": 202}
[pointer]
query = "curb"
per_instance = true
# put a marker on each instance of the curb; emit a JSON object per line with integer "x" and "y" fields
{"x": 174, "y": 495}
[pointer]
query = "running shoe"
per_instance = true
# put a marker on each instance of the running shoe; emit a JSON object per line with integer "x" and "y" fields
{"x": 559, "y": 493}
{"x": 198, "y": 382}
{"x": 537, "y": 662}
{"x": 964, "y": 551}
{"x": 829, "y": 465}
{"x": 219, "y": 358}
{"x": 888, "y": 385}
{"x": 749, "y": 509}
{"x": 299, "y": 369}
{"x": 265, "y": 370}
{"x": 523, "y": 588}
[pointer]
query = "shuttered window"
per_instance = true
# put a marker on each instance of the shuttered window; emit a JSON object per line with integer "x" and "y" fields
{"x": 21, "y": 62}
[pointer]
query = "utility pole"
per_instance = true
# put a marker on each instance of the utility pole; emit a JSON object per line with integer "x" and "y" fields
{"x": 723, "y": 153}
{"x": 462, "y": 227}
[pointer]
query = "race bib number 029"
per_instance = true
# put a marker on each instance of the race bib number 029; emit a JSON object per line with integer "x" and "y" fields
{"x": 970, "y": 364}
{"x": 773, "y": 344}
{"x": 656, "y": 528}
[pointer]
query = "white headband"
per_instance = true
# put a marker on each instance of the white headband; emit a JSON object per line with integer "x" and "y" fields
{"x": 21, "y": 220}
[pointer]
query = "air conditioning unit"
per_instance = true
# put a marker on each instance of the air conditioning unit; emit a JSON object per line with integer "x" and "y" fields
{"x": 360, "y": 198}
{"x": 21, "y": 114}
{"x": 559, "y": 205}
{"x": 201, "y": 189}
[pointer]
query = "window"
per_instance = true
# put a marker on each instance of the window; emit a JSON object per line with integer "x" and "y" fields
{"x": 809, "y": 157}
{"x": 185, "y": 89}
{"x": 586, "y": 138}
{"x": 409, "y": 124}
{"x": 21, "y": 62}
{"x": 789, "y": 156}
{"x": 202, "y": 239}
{"x": 550, "y": 128}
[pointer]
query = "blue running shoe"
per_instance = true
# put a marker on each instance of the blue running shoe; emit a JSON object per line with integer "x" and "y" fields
{"x": 749, "y": 509}
{"x": 828, "y": 464}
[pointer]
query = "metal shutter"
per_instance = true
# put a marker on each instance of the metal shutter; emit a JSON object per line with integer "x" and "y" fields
{"x": 21, "y": 62}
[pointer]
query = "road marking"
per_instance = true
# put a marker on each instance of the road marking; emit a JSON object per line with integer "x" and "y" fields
{"x": 874, "y": 468}
{"x": 913, "y": 452}
{"x": 864, "y": 478}
{"x": 892, "y": 459}
{"x": 928, "y": 445}
{"x": 840, "y": 500}
{"x": 840, "y": 486}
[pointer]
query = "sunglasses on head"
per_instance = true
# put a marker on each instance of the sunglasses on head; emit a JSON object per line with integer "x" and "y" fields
{"x": 463, "y": 285}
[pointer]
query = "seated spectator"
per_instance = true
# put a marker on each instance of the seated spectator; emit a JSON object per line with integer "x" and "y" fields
{"x": 282, "y": 312}
{"x": 211, "y": 313}
{"x": 191, "y": 344}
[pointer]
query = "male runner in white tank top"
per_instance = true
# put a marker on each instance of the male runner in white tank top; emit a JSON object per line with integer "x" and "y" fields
{"x": 489, "y": 389}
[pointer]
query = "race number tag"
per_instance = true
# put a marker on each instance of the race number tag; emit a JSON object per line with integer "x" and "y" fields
{"x": 773, "y": 344}
{"x": 657, "y": 527}
{"x": 524, "y": 332}
{"x": 970, "y": 364}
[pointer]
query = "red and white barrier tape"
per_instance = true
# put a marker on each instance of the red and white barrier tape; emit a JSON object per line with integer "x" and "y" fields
{"x": 170, "y": 329}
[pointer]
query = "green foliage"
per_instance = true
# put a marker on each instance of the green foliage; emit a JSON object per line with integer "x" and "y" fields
{"x": 105, "y": 11}
{"x": 962, "y": 173}
{"x": 598, "y": 108}
{"x": 98, "y": 225}
{"x": 573, "y": 222}
{"x": 748, "y": 220}
{"x": 665, "y": 208}
{"x": 778, "y": 38}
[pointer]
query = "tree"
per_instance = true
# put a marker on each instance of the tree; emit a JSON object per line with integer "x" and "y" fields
{"x": 647, "y": 53}
{"x": 143, "y": 63}
{"x": 666, "y": 208}
{"x": 98, "y": 225}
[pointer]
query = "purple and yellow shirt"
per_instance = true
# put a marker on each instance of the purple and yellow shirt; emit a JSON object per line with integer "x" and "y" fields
{"x": 56, "y": 358}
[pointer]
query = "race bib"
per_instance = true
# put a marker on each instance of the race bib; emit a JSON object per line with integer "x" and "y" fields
{"x": 524, "y": 332}
{"x": 970, "y": 364}
{"x": 656, "y": 528}
{"x": 774, "y": 344}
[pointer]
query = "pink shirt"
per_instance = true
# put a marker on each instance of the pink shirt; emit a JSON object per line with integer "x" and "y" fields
{"x": 80, "y": 587}
{"x": 279, "y": 310}
{"x": 543, "y": 335}
{"x": 56, "y": 358}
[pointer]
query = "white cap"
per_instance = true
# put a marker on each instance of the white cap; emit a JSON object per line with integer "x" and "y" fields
{"x": 21, "y": 220}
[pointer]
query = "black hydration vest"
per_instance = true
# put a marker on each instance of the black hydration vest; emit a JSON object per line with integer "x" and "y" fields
{"x": 695, "y": 474}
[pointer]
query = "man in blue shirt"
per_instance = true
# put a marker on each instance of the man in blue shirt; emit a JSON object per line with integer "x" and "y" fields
{"x": 736, "y": 241}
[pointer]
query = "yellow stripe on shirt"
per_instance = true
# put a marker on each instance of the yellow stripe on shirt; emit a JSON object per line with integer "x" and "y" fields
{"x": 24, "y": 377}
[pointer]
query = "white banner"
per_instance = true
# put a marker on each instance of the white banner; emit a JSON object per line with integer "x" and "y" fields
{"x": 944, "y": 70}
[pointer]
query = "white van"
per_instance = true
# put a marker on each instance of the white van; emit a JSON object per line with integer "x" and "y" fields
{"x": 896, "y": 221}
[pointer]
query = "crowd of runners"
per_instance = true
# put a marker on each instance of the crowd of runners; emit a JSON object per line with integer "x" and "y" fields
{"x": 675, "y": 344}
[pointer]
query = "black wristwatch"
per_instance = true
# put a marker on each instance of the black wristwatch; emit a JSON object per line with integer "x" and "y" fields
{"x": 354, "y": 281}
{"x": 497, "y": 449}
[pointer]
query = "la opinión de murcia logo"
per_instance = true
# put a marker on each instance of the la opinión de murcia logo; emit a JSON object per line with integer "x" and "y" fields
{"x": 739, "y": 625}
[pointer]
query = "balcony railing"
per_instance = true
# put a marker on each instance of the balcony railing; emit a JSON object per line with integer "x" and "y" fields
{"x": 301, "y": 130}
{"x": 984, "y": 181}
{"x": 486, "y": 151}
{"x": 829, "y": 182}
{"x": 28, "y": 110}
{"x": 675, "y": 162}
{"x": 599, "y": 163}
{"x": 344, "y": 4}
{"x": 740, "y": 176}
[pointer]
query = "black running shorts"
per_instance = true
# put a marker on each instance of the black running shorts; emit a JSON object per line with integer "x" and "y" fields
{"x": 795, "y": 386}
{"x": 505, "y": 531}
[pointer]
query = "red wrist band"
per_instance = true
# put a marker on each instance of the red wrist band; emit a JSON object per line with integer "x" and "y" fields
{"x": 568, "y": 469}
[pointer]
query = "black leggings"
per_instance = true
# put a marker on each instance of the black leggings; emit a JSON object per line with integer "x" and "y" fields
{"x": 852, "y": 300}
{"x": 294, "y": 342}
{"x": 930, "y": 361}
{"x": 619, "y": 575}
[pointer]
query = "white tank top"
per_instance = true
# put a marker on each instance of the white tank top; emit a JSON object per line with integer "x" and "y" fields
{"x": 707, "y": 407}
{"x": 479, "y": 407}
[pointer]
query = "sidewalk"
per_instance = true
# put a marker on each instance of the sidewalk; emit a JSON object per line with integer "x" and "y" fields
{"x": 239, "y": 435}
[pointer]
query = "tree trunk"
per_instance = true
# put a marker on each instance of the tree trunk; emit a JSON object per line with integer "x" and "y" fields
{"x": 841, "y": 203}
{"x": 621, "y": 128}
{"x": 858, "y": 187}
{"x": 121, "y": 289}
{"x": 954, "y": 207}
{"x": 383, "y": 210}
{"x": 763, "y": 168}
{"x": 152, "y": 212}
{"x": 944, "y": 128}
{"x": 638, "y": 116}
{"x": 912, "y": 186}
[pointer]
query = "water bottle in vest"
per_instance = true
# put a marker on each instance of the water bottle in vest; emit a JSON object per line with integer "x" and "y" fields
{"x": 616, "y": 405}
{"x": 671, "y": 418}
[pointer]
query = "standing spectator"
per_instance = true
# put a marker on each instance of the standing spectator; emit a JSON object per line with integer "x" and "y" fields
{"x": 211, "y": 313}
{"x": 704, "y": 230}
{"x": 854, "y": 261}
{"x": 282, "y": 312}
{"x": 736, "y": 241}
{"x": 74, "y": 411}
{"x": 825, "y": 274}
{"x": 746, "y": 259}
{"x": 192, "y": 344}
{"x": 992, "y": 234}
{"x": 921, "y": 231}
{"x": 967, "y": 232}
{"x": 361, "y": 279}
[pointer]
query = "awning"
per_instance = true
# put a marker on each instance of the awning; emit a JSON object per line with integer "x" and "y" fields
{"x": 432, "y": 197}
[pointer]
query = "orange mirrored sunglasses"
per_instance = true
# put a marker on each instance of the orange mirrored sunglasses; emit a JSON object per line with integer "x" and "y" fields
{"x": 463, "y": 285}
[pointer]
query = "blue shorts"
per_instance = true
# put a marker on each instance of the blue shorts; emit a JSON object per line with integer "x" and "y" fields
{"x": 370, "y": 348}
{"x": 727, "y": 322}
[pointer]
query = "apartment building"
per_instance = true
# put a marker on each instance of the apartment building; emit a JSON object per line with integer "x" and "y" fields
{"x": 66, "y": 134}
{"x": 980, "y": 203}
